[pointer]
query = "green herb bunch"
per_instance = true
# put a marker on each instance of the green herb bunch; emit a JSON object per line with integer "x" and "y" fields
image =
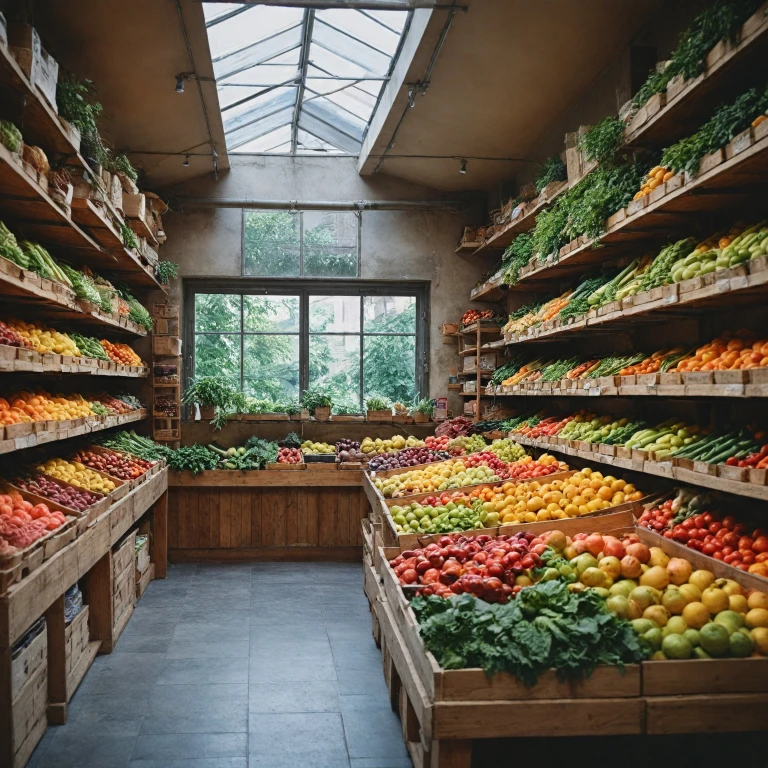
{"x": 425, "y": 405}
{"x": 121, "y": 164}
{"x": 517, "y": 255}
{"x": 345, "y": 410}
{"x": 166, "y": 271}
{"x": 545, "y": 627}
{"x": 552, "y": 169}
{"x": 378, "y": 404}
{"x": 728, "y": 121}
{"x": 128, "y": 238}
{"x": 192, "y": 458}
{"x": 76, "y": 101}
{"x": 210, "y": 390}
{"x": 721, "y": 21}
{"x": 314, "y": 398}
{"x": 602, "y": 142}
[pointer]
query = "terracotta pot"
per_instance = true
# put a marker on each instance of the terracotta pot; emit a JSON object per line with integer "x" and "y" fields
{"x": 207, "y": 412}
{"x": 323, "y": 414}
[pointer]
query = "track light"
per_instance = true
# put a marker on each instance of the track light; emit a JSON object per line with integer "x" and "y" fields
{"x": 463, "y": 168}
{"x": 179, "y": 83}
{"x": 186, "y": 161}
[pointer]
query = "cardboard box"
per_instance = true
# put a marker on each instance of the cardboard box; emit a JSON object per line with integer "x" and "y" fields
{"x": 36, "y": 63}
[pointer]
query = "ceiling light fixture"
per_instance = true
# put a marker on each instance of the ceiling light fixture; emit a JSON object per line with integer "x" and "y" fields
{"x": 179, "y": 83}
{"x": 463, "y": 168}
{"x": 186, "y": 161}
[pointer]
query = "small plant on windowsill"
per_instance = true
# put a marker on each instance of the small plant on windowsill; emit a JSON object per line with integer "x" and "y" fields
{"x": 346, "y": 410}
{"x": 211, "y": 393}
{"x": 424, "y": 410}
{"x": 378, "y": 409}
{"x": 318, "y": 403}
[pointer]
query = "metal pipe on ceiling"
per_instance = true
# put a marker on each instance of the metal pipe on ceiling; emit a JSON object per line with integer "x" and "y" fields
{"x": 437, "y": 206}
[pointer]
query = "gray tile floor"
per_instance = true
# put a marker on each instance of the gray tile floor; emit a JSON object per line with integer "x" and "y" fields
{"x": 235, "y": 665}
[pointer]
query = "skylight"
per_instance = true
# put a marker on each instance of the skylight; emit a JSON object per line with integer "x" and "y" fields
{"x": 300, "y": 81}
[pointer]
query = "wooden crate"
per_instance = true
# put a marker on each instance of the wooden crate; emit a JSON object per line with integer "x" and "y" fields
{"x": 79, "y": 650}
{"x": 123, "y": 599}
{"x": 29, "y": 716}
{"x": 167, "y": 346}
{"x": 142, "y": 557}
{"x": 26, "y": 665}
{"x": 123, "y": 556}
{"x": 143, "y": 579}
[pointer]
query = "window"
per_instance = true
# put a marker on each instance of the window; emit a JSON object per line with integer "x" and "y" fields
{"x": 353, "y": 341}
{"x": 300, "y": 81}
{"x": 306, "y": 243}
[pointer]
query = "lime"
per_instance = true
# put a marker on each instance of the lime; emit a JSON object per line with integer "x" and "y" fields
{"x": 714, "y": 639}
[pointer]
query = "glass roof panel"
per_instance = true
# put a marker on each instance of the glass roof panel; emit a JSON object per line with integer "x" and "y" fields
{"x": 259, "y": 51}
{"x": 269, "y": 142}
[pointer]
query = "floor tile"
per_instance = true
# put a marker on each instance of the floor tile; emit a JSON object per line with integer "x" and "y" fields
{"x": 96, "y": 751}
{"x": 316, "y": 740}
{"x": 127, "y": 673}
{"x": 224, "y": 671}
{"x": 371, "y": 728}
{"x": 320, "y": 696}
{"x": 212, "y": 631}
{"x": 361, "y": 681}
{"x": 378, "y": 762}
{"x": 143, "y": 643}
{"x": 197, "y": 709}
{"x": 190, "y": 745}
{"x": 273, "y": 669}
{"x": 197, "y": 650}
{"x": 205, "y": 762}
{"x": 125, "y": 707}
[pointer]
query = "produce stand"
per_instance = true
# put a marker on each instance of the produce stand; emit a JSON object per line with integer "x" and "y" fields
{"x": 269, "y": 514}
{"x": 444, "y": 711}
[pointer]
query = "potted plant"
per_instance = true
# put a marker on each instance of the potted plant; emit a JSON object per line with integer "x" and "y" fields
{"x": 210, "y": 393}
{"x": 402, "y": 416}
{"x": 296, "y": 412}
{"x": 424, "y": 410}
{"x": 317, "y": 403}
{"x": 378, "y": 409}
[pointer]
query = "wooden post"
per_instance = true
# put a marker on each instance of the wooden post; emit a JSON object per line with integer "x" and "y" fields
{"x": 6, "y": 719}
{"x": 160, "y": 536}
{"x": 99, "y": 598}
{"x": 57, "y": 663}
{"x": 453, "y": 753}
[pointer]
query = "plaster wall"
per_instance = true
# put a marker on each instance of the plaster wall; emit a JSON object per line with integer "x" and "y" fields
{"x": 396, "y": 245}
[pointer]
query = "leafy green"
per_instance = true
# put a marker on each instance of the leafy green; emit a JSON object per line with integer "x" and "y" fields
{"x": 314, "y": 398}
{"x": 728, "y": 121}
{"x": 210, "y": 390}
{"x": 378, "y": 404}
{"x": 721, "y": 21}
{"x": 166, "y": 271}
{"x": 260, "y": 452}
{"x": 517, "y": 255}
{"x": 545, "y": 627}
{"x": 192, "y": 458}
{"x": 552, "y": 169}
{"x": 601, "y": 142}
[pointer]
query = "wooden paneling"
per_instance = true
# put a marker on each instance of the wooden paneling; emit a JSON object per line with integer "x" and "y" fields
{"x": 250, "y": 518}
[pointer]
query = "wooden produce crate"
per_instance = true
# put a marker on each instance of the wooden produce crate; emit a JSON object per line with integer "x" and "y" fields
{"x": 29, "y": 699}
{"x": 79, "y": 650}
{"x": 166, "y": 346}
{"x": 123, "y": 583}
{"x": 143, "y": 579}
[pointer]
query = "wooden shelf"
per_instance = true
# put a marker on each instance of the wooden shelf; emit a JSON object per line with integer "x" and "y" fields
{"x": 685, "y": 106}
{"x": 746, "y": 284}
{"x": 35, "y": 593}
{"x": 83, "y": 366}
{"x": 467, "y": 247}
{"x": 471, "y": 330}
{"x": 490, "y": 291}
{"x": 524, "y": 223}
{"x": 468, "y": 351}
{"x": 659, "y": 469}
{"x": 51, "y": 302}
{"x": 454, "y": 387}
{"x": 735, "y": 180}
{"x": 64, "y": 433}
{"x": 483, "y": 372}
{"x": 266, "y": 478}
{"x": 599, "y": 388}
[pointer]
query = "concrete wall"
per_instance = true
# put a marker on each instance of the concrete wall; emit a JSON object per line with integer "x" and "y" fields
{"x": 396, "y": 245}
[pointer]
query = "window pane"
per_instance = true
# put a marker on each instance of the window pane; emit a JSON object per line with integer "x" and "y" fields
{"x": 271, "y": 367}
{"x": 217, "y": 312}
{"x": 218, "y": 354}
{"x": 334, "y": 313}
{"x": 330, "y": 262}
{"x": 330, "y": 228}
{"x": 334, "y": 365}
{"x": 270, "y": 244}
{"x": 389, "y": 367}
{"x": 389, "y": 314}
{"x": 271, "y": 314}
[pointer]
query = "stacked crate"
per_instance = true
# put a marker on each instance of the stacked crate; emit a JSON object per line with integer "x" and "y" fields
{"x": 166, "y": 351}
{"x": 76, "y": 650}
{"x": 123, "y": 582}
{"x": 144, "y": 568}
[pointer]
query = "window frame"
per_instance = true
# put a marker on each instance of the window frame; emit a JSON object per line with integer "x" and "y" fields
{"x": 301, "y": 275}
{"x": 304, "y": 288}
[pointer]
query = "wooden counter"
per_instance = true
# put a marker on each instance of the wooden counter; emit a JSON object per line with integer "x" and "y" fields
{"x": 266, "y": 515}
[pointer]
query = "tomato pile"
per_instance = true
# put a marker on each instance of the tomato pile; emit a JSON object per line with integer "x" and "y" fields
{"x": 546, "y": 427}
{"x": 67, "y": 495}
{"x": 441, "y": 444}
{"x": 113, "y": 463}
{"x": 526, "y": 470}
{"x": 711, "y": 534}
{"x": 493, "y": 569}
{"x": 289, "y": 456}
{"x": 757, "y": 460}
{"x": 22, "y": 523}
{"x": 487, "y": 459}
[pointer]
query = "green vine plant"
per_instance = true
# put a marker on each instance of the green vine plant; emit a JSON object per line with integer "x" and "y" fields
{"x": 721, "y": 21}
{"x": 76, "y": 100}
{"x": 314, "y": 398}
{"x": 128, "y": 238}
{"x": 166, "y": 271}
{"x": 552, "y": 169}
{"x": 121, "y": 164}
